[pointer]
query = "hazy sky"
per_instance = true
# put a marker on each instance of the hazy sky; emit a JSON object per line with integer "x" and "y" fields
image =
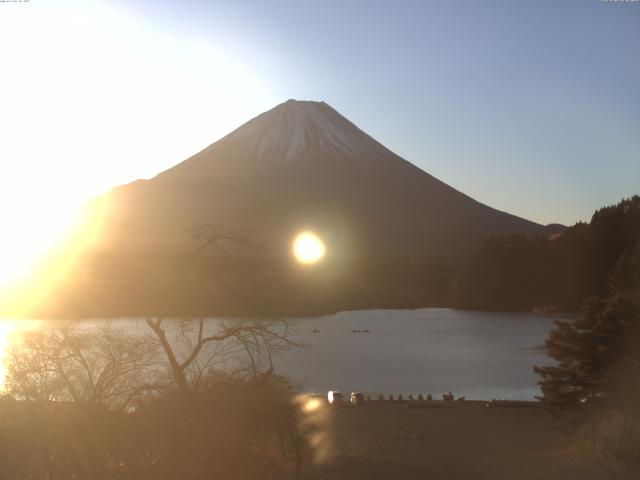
{"x": 530, "y": 107}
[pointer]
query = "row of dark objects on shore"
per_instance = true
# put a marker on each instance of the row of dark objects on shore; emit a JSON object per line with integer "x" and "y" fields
{"x": 446, "y": 398}
{"x": 355, "y": 330}
{"x": 512, "y": 403}
{"x": 420, "y": 401}
{"x": 492, "y": 404}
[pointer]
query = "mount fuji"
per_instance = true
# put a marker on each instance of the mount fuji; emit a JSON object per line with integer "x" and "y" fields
{"x": 393, "y": 233}
{"x": 303, "y": 165}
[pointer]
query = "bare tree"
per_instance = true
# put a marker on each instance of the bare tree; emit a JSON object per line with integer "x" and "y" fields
{"x": 66, "y": 361}
{"x": 195, "y": 347}
{"x": 240, "y": 348}
{"x": 221, "y": 239}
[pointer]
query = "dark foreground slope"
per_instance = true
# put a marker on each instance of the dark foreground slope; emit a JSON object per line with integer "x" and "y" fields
{"x": 249, "y": 437}
{"x": 465, "y": 442}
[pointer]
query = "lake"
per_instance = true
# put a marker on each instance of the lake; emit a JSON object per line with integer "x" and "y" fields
{"x": 480, "y": 355}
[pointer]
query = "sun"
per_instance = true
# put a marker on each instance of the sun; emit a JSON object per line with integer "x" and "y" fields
{"x": 308, "y": 248}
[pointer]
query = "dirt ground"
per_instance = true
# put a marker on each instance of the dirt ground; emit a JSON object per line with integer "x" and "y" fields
{"x": 462, "y": 441}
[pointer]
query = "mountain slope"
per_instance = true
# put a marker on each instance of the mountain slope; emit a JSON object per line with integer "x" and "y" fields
{"x": 393, "y": 233}
{"x": 303, "y": 165}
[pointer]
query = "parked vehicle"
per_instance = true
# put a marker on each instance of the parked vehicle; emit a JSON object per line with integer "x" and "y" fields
{"x": 335, "y": 397}
{"x": 357, "y": 398}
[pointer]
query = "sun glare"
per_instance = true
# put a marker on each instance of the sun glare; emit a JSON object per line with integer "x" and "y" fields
{"x": 30, "y": 233}
{"x": 5, "y": 331}
{"x": 94, "y": 123}
{"x": 308, "y": 248}
{"x": 10, "y": 331}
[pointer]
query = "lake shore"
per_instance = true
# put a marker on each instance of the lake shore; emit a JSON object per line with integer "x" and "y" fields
{"x": 460, "y": 441}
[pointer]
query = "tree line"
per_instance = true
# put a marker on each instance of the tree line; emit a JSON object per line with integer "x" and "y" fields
{"x": 556, "y": 273}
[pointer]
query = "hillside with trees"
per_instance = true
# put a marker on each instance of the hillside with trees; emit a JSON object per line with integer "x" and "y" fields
{"x": 555, "y": 273}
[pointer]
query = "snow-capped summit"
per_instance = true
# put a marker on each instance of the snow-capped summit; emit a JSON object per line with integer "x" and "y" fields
{"x": 293, "y": 132}
{"x": 294, "y": 126}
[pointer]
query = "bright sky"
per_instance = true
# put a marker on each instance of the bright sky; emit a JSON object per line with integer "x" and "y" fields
{"x": 531, "y": 107}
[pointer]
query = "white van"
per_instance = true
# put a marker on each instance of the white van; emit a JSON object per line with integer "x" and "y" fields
{"x": 335, "y": 398}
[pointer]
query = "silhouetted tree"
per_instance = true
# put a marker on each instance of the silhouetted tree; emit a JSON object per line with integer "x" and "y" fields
{"x": 192, "y": 349}
{"x": 239, "y": 348}
{"x": 64, "y": 361}
{"x": 594, "y": 388}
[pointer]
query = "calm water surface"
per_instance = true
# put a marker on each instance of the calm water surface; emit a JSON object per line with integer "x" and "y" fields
{"x": 479, "y": 355}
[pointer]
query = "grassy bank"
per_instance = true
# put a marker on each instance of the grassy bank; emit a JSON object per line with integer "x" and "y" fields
{"x": 461, "y": 441}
